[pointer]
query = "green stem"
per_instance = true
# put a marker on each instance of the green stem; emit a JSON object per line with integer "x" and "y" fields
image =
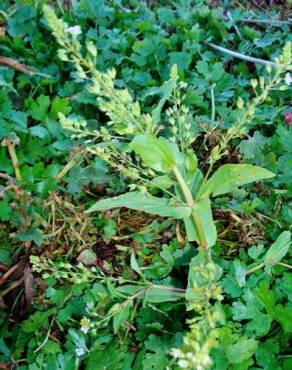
{"x": 184, "y": 188}
{"x": 254, "y": 269}
{"x": 190, "y": 202}
{"x": 213, "y": 103}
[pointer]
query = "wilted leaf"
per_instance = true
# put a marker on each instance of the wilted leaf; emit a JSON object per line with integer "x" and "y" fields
{"x": 87, "y": 257}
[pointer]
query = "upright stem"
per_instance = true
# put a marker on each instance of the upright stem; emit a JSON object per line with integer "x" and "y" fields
{"x": 190, "y": 202}
{"x": 213, "y": 103}
{"x": 14, "y": 160}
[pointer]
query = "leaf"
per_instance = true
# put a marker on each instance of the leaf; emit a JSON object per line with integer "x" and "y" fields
{"x": 229, "y": 176}
{"x": 6, "y": 253}
{"x": 204, "y": 213}
{"x": 163, "y": 294}
{"x": 59, "y": 105}
{"x": 211, "y": 72}
{"x": 260, "y": 323}
{"x": 163, "y": 181}
{"x": 283, "y": 314}
{"x": 266, "y": 297}
{"x": 5, "y": 210}
{"x": 87, "y": 257}
{"x": 165, "y": 91}
{"x": 3, "y": 348}
{"x": 155, "y": 361}
{"x": 21, "y": 21}
{"x": 181, "y": 59}
{"x": 30, "y": 234}
{"x": 39, "y": 131}
{"x": 143, "y": 202}
{"x": 266, "y": 354}
{"x": 109, "y": 357}
{"x": 36, "y": 321}
{"x": 110, "y": 228}
{"x": 156, "y": 153}
{"x": 121, "y": 316}
{"x": 240, "y": 273}
{"x": 241, "y": 350}
{"x": 134, "y": 264}
{"x": 279, "y": 248}
{"x": 39, "y": 108}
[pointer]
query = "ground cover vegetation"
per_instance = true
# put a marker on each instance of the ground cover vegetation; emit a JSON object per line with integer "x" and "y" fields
{"x": 145, "y": 185}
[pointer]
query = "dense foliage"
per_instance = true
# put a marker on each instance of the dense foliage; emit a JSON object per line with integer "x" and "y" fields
{"x": 145, "y": 185}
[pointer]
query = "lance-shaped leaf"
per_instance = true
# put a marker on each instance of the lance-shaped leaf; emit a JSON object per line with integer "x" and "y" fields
{"x": 229, "y": 176}
{"x": 145, "y": 203}
{"x": 279, "y": 248}
{"x": 204, "y": 213}
{"x": 163, "y": 294}
{"x": 156, "y": 153}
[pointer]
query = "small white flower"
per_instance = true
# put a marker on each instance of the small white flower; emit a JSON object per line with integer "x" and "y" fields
{"x": 85, "y": 325}
{"x": 288, "y": 79}
{"x": 176, "y": 352}
{"x": 79, "y": 351}
{"x": 84, "y": 329}
{"x": 75, "y": 30}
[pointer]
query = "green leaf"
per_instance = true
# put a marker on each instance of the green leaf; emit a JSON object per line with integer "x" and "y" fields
{"x": 6, "y": 253}
{"x": 163, "y": 294}
{"x": 121, "y": 316}
{"x": 156, "y": 153}
{"x": 283, "y": 314}
{"x": 229, "y": 176}
{"x": 30, "y": 234}
{"x": 59, "y": 105}
{"x": 5, "y": 210}
{"x": 204, "y": 213}
{"x": 163, "y": 181}
{"x": 109, "y": 357}
{"x": 279, "y": 248}
{"x": 3, "y": 348}
{"x": 266, "y": 354}
{"x": 134, "y": 264}
{"x": 165, "y": 91}
{"x": 39, "y": 131}
{"x": 240, "y": 273}
{"x": 143, "y": 202}
{"x": 39, "y": 108}
{"x": 241, "y": 350}
{"x": 36, "y": 321}
{"x": 258, "y": 322}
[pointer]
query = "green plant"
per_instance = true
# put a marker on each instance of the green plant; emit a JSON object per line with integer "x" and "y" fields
{"x": 125, "y": 289}
{"x": 167, "y": 164}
